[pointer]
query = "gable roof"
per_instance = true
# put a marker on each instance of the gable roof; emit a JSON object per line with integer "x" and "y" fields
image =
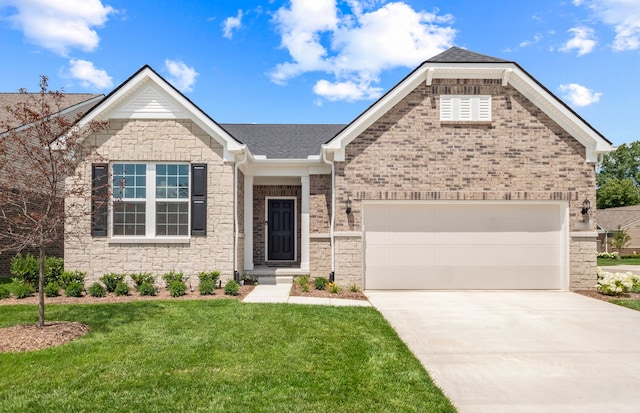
{"x": 283, "y": 141}
{"x": 457, "y": 63}
{"x": 147, "y": 95}
{"x": 609, "y": 219}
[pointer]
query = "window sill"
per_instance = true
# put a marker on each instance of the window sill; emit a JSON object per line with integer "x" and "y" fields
{"x": 466, "y": 122}
{"x": 117, "y": 241}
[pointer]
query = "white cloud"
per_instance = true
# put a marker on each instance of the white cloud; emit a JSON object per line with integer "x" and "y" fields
{"x": 89, "y": 76}
{"x": 622, "y": 15}
{"x": 583, "y": 41}
{"x": 181, "y": 76}
{"x": 579, "y": 95}
{"x": 356, "y": 47}
{"x": 536, "y": 38}
{"x": 60, "y": 25}
{"x": 230, "y": 24}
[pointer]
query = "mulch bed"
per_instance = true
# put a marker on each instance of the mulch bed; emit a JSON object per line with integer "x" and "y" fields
{"x": 344, "y": 293}
{"x": 597, "y": 295}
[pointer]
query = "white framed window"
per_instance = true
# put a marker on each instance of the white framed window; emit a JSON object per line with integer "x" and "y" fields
{"x": 465, "y": 108}
{"x": 150, "y": 200}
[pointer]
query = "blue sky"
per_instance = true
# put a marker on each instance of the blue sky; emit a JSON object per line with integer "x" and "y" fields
{"x": 323, "y": 61}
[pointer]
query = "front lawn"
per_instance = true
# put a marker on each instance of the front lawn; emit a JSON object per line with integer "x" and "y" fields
{"x": 603, "y": 262}
{"x": 633, "y": 304}
{"x": 217, "y": 356}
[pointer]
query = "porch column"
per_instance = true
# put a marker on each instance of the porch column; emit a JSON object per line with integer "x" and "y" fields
{"x": 304, "y": 224}
{"x": 248, "y": 223}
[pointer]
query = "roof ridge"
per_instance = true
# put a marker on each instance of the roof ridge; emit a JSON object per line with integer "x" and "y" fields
{"x": 459, "y": 55}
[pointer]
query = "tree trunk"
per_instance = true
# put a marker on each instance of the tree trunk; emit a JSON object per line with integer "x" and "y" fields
{"x": 41, "y": 287}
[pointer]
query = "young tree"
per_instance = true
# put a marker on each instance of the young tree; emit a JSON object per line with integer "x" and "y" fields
{"x": 620, "y": 240}
{"x": 41, "y": 146}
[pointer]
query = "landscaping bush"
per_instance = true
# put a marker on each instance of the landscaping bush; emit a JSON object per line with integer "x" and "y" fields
{"x": 53, "y": 269}
{"x": 111, "y": 280}
{"x": 22, "y": 289}
{"x": 52, "y": 289}
{"x": 209, "y": 276}
{"x": 231, "y": 288}
{"x": 616, "y": 283}
{"x": 4, "y": 292}
{"x": 320, "y": 283}
{"x": 609, "y": 255}
{"x": 206, "y": 287}
{"x": 146, "y": 288}
{"x": 97, "y": 290}
{"x": 121, "y": 289}
{"x": 177, "y": 288}
{"x": 333, "y": 288}
{"x": 140, "y": 278}
{"x": 304, "y": 281}
{"x": 69, "y": 277}
{"x": 74, "y": 289}
{"x": 354, "y": 288}
{"x": 173, "y": 276}
{"x": 629, "y": 256}
{"x": 26, "y": 268}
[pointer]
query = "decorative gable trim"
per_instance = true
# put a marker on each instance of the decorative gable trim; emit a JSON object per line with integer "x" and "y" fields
{"x": 150, "y": 103}
{"x": 465, "y": 108}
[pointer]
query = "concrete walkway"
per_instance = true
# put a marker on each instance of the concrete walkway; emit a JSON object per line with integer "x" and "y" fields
{"x": 279, "y": 293}
{"x": 527, "y": 351}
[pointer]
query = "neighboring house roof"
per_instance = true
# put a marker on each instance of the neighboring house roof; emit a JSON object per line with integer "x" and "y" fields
{"x": 72, "y": 104}
{"x": 609, "y": 219}
{"x": 283, "y": 141}
{"x": 457, "y": 63}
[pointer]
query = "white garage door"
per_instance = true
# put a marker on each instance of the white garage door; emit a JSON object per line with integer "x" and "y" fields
{"x": 464, "y": 245}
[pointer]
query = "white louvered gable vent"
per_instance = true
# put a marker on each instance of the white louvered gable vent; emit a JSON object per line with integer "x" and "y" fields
{"x": 465, "y": 108}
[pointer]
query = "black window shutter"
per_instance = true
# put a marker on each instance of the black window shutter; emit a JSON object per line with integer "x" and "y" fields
{"x": 199, "y": 199}
{"x": 99, "y": 199}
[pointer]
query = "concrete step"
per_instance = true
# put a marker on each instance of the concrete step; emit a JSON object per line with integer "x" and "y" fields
{"x": 275, "y": 279}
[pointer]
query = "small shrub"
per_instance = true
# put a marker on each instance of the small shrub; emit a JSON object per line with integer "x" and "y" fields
{"x": 206, "y": 287}
{"x": 177, "y": 288}
{"x": 52, "y": 289}
{"x": 146, "y": 288}
{"x": 333, "y": 288}
{"x": 615, "y": 283}
{"x": 69, "y": 277}
{"x": 320, "y": 283}
{"x": 26, "y": 268}
{"x": 231, "y": 288}
{"x": 609, "y": 255}
{"x": 172, "y": 276}
{"x": 209, "y": 276}
{"x": 97, "y": 290}
{"x": 121, "y": 289}
{"x": 305, "y": 288}
{"x": 354, "y": 288}
{"x": 304, "y": 281}
{"x": 53, "y": 269}
{"x": 140, "y": 278}
{"x": 111, "y": 280}
{"x": 74, "y": 289}
{"x": 22, "y": 289}
{"x": 4, "y": 292}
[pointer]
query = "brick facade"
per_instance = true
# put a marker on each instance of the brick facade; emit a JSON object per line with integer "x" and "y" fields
{"x": 521, "y": 154}
{"x": 154, "y": 140}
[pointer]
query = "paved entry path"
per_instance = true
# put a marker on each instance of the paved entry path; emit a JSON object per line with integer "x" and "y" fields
{"x": 531, "y": 351}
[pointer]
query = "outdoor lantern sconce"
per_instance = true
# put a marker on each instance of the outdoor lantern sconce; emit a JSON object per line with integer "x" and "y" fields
{"x": 586, "y": 206}
{"x": 348, "y": 206}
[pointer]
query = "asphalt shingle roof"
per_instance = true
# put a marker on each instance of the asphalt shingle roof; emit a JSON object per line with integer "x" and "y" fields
{"x": 458, "y": 55}
{"x": 610, "y": 218}
{"x": 283, "y": 141}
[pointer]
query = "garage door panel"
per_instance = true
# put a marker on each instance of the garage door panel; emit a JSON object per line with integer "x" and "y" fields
{"x": 463, "y": 246}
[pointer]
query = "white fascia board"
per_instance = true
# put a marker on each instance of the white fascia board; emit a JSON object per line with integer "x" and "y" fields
{"x": 146, "y": 76}
{"x": 285, "y": 167}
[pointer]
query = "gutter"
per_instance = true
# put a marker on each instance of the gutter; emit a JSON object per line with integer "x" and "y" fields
{"x": 333, "y": 212}
{"x": 236, "y": 274}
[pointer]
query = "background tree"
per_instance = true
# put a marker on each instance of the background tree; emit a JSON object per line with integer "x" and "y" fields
{"x": 620, "y": 240}
{"x": 618, "y": 178}
{"x": 40, "y": 148}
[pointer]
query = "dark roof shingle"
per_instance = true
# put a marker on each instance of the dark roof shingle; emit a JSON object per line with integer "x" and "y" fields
{"x": 459, "y": 55}
{"x": 609, "y": 219}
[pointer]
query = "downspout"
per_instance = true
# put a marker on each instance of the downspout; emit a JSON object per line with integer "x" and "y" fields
{"x": 333, "y": 213}
{"x": 236, "y": 274}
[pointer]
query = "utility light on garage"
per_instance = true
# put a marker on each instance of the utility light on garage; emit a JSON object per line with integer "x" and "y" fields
{"x": 586, "y": 206}
{"x": 348, "y": 210}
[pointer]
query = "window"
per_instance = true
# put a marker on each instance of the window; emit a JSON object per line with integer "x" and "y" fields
{"x": 465, "y": 108}
{"x": 150, "y": 199}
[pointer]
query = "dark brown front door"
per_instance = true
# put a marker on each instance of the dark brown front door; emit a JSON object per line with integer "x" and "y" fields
{"x": 281, "y": 230}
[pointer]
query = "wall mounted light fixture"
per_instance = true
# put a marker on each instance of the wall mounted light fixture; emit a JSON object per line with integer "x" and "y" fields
{"x": 348, "y": 210}
{"x": 586, "y": 206}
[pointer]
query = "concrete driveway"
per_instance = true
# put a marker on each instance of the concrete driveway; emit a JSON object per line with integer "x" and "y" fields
{"x": 531, "y": 351}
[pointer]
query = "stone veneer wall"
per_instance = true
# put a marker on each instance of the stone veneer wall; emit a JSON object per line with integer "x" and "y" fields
{"x": 408, "y": 154}
{"x": 582, "y": 261}
{"x": 260, "y": 193}
{"x": 153, "y": 140}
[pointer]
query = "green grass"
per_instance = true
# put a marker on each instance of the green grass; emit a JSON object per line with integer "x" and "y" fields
{"x": 217, "y": 356}
{"x": 603, "y": 262}
{"x": 633, "y": 304}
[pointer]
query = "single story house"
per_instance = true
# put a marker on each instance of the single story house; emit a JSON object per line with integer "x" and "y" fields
{"x": 468, "y": 174}
{"x": 626, "y": 218}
